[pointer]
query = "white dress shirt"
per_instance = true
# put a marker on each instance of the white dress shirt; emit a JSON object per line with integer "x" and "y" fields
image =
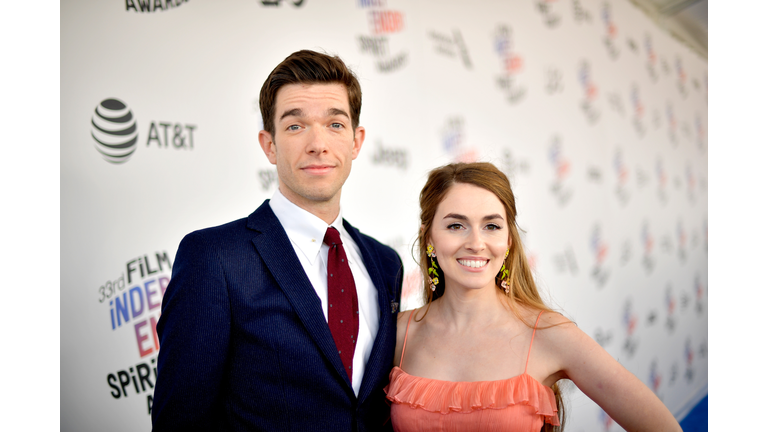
{"x": 306, "y": 232}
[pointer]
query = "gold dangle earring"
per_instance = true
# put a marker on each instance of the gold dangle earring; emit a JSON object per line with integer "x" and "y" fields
{"x": 433, "y": 269}
{"x": 505, "y": 274}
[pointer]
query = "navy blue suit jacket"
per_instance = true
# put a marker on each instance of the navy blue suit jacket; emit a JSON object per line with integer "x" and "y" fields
{"x": 244, "y": 344}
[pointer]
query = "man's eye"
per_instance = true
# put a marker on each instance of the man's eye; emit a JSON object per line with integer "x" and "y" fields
{"x": 337, "y": 125}
{"x": 293, "y": 127}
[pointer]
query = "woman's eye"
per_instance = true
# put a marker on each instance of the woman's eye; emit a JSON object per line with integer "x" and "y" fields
{"x": 493, "y": 227}
{"x": 454, "y": 226}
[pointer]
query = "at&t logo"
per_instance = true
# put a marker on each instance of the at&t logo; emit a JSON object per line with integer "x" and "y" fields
{"x": 114, "y": 128}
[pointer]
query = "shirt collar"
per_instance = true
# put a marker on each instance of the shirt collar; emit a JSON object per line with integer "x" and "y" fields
{"x": 304, "y": 229}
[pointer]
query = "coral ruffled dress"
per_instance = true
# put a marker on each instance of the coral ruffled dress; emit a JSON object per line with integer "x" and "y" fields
{"x": 420, "y": 404}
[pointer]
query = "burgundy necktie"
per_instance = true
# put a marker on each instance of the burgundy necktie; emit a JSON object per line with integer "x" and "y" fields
{"x": 342, "y": 300}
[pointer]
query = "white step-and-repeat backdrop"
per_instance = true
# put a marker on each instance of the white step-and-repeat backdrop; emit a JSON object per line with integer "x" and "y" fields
{"x": 598, "y": 116}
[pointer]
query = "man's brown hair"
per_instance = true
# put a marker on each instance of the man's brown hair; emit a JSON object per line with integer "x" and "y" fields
{"x": 309, "y": 67}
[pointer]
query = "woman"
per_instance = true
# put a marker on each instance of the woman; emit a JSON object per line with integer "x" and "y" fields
{"x": 485, "y": 353}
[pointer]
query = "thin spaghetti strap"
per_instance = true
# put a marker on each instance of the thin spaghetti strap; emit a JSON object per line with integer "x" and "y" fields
{"x": 405, "y": 339}
{"x": 530, "y": 347}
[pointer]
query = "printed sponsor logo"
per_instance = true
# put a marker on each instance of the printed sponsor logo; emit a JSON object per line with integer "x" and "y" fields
{"x": 553, "y": 80}
{"x": 632, "y": 45}
{"x": 682, "y": 241}
{"x": 638, "y": 109}
{"x": 565, "y": 262}
{"x": 296, "y": 3}
{"x": 512, "y": 166}
{"x": 142, "y": 6}
{"x": 615, "y": 102}
{"x": 603, "y": 337}
{"x": 562, "y": 170}
{"x": 642, "y": 177}
{"x": 647, "y": 242}
{"x": 134, "y": 299}
{"x": 654, "y": 377}
{"x": 139, "y": 378}
{"x": 594, "y": 174}
{"x": 605, "y": 420}
{"x": 580, "y": 13}
{"x": 665, "y": 66}
{"x": 453, "y": 138}
{"x": 267, "y": 178}
{"x": 698, "y": 295}
{"x": 599, "y": 248}
{"x": 589, "y": 98}
{"x": 622, "y": 178}
{"x": 701, "y": 133}
{"x": 656, "y": 118}
{"x": 629, "y": 322}
{"x": 671, "y": 124}
{"x": 690, "y": 183}
{"x": 389, "y": 156}
{"x": 610, "y": 37}
{"x": 671, "y": 303}
{"x": 651, "y": 60}
{"x": 382, "y": 24}
{"x": 511, "y": 65}
{"x": 673, "y": 372}
{"x": 625, "y": 255}
{"x": 548, "y": 13}
{"x": 682, "y": 77}
{"x": 114, "y": 128}
{"x": 688, "y": 357}
{"x": 661, "y": 180}
{"x": 451, "y": 45}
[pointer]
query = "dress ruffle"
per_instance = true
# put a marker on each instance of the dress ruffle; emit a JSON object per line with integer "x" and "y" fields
{"x": 464, "y": 397}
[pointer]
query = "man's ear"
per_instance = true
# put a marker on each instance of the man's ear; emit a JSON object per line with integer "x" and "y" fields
{"x": 358, "y": 141}
{"x": 268, "y": 145}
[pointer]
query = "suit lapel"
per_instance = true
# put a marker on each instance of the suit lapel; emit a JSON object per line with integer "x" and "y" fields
{"x": 380, "y": 356}
{"x": 275, "y": 249}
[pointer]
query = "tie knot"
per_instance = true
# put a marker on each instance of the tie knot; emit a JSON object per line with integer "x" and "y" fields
{"x": 332, "y": 237}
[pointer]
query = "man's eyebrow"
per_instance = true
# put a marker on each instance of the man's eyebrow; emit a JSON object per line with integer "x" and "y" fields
{"x": 296, "y": 112}
{"x": 336, "y": 111}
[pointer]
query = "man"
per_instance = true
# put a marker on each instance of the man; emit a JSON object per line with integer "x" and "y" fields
{"x": 285, "y": 320}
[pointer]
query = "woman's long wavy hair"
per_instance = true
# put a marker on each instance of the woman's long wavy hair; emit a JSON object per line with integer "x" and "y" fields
{"x": 522, "y": 288}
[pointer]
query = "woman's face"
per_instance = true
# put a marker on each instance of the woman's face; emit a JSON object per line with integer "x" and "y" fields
{"x": 470, "y": 235}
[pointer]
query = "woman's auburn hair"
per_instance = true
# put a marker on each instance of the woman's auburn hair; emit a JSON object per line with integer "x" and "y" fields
{"x": 522, "y": 287}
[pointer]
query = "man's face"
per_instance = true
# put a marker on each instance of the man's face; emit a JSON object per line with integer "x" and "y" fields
{"x": 314, "y": 143}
